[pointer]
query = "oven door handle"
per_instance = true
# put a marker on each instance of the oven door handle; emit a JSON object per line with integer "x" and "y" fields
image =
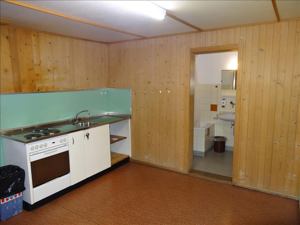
{"x": 50, "y": 152}
{"x": 47, "y": 153}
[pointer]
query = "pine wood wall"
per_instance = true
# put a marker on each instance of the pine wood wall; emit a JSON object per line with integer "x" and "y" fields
{"x": 34, "y": 61}
{"x": 267, "y": 132}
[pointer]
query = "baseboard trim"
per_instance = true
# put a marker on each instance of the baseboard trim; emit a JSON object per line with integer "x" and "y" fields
{"x": 265, "y": 191}
{"x": 190, "y": 173}
{"x": 232, "y": 182}
{"x": 156, "y": 166}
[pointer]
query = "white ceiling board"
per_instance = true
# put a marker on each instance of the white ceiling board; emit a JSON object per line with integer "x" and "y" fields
{"x": 110, "y": 14}
{"x": 289, "y": 9}
{"x": 219, "y": 14}
{"x": 54, "y": 24}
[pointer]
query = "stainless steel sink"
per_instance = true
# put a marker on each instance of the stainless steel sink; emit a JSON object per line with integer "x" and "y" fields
{"x": 102, "y": 119}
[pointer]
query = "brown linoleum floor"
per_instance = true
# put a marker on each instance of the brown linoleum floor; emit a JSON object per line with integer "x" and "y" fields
{"x": 138, "y": 194}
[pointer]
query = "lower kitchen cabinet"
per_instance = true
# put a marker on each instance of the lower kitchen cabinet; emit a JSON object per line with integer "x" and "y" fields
{"x": 77, "y": 156}
{"x": 89, "y": 152}
{"x": 97, "y": 150}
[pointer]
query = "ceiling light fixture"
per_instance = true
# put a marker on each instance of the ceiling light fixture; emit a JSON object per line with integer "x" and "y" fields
{"x": 168, "y": 5}
{"x": 141, "y": 7}
{"x": 233, "y": 63}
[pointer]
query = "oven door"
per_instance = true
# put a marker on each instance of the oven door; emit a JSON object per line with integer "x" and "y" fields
{"x": 49, "y": 168}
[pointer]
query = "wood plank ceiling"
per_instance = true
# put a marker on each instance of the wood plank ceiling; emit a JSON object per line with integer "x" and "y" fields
{"x": 104, "y": 22}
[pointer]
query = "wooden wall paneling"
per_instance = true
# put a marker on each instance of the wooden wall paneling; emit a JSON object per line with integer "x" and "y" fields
{"x": 297, "y": 141}
{"x": 283, "y": 97}
{"x": 177, "y": 86}
{"x": 35, "y": 61}
{"x": 264, "y": 142}
{"x": 269, "y": 115}
{"x": 290, "y": 112}
{"x": 251, "y": 156}
{"x": 293, "y": 69}
{"x": 237, "y": 156}
{"x": 256, "y": 93}
{"x": 90, "y": 74}
{"x": 7, "y": 75}
{"x": 21, "y": 48}
{"x": 264, "y": 132}
{"x": 159, "y": 104}
{"x": 259, "y": 94}
{"x": 46, "y": 79}
{"x": 80, "y": 57}
{"x": 57, "y": 55}
{"x": 277, "y": 155}
{"x": 50, "y": 53}
{"x": 297, "y": 149}
{"x": 98, "y": 72}
{"x": 189, "y": 160}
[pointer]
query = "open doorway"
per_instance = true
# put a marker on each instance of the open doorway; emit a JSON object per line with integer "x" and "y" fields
{"x": 215, "y": 82}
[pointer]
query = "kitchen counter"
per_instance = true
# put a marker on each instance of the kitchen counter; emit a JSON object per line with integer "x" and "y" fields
{"x": 64, "y": 127}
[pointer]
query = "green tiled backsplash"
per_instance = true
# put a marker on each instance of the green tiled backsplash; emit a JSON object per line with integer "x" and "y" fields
{"x": 20, "y": 110}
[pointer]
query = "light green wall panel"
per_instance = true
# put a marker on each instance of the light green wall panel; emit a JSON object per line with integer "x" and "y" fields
{"x": 20, "y": 110}
{"x": 119, "y": 101}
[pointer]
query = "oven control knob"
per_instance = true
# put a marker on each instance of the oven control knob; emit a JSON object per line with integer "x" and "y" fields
{"x": 41, "y": 146}
{"x": 45, "y": 145}
{"x": 36, "y": 147}
{"x": 32, "y": 148}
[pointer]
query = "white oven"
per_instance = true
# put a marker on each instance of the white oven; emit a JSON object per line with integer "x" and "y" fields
{"x": 49, "y": 165}
{"x": 46, "y": 164}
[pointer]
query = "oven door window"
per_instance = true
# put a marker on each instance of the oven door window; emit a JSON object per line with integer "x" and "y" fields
{"x": 49, "y": 168}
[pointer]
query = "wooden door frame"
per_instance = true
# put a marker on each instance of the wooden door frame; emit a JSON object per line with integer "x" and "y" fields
{"x": 193, "y": 53}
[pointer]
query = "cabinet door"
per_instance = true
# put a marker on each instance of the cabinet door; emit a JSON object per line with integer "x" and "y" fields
{"x": 77, "y": 156}
{"x": 97, "y": 149}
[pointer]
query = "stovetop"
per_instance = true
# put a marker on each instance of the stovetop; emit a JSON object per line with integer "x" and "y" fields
{"x": 41, "y": 132}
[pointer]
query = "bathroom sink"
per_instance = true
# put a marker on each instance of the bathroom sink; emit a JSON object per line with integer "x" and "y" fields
{"x": 227, "y": 116}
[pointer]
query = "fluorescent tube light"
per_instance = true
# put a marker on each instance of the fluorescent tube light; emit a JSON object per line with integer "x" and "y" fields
{"x": 145, "y": 8}
{"x": 169, "y": 5}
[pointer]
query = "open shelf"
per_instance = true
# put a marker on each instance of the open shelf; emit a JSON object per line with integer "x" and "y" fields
{"x": 116, "y": 138}
{"x": 120, "y": 140}
{"x": 117, "y": 157}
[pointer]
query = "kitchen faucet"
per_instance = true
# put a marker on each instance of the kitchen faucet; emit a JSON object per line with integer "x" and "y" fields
{"x": 76, "y": 119}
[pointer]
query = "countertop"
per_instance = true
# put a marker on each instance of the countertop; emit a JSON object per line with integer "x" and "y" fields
{"x": 65, "y": 127}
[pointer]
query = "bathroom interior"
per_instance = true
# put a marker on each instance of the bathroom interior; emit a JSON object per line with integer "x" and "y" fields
{"x": 215, "y": 85}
